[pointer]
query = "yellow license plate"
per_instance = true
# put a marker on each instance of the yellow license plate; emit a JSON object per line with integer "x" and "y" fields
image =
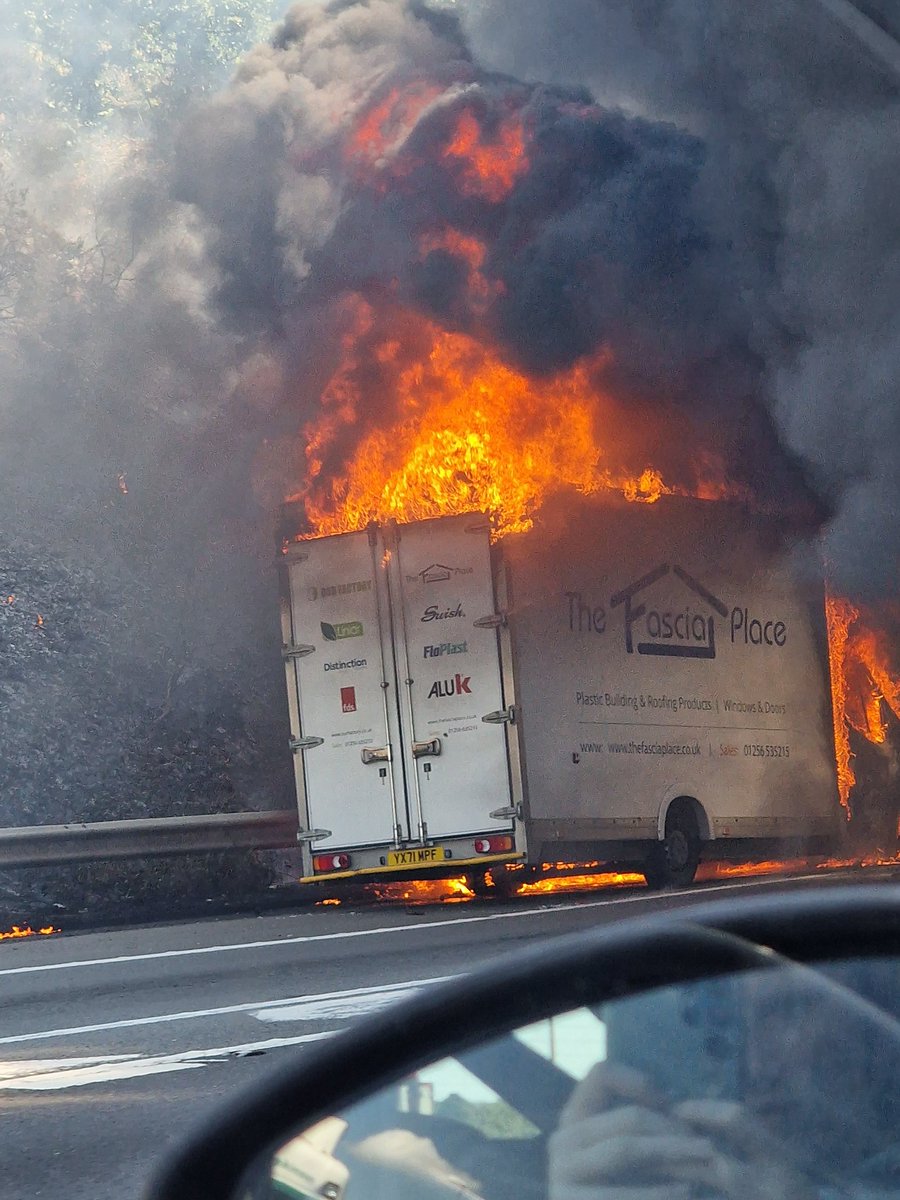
{"x": 423, "y": 857}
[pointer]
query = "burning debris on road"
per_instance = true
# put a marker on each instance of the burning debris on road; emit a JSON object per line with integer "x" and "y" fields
{"x": 24, "y": 931}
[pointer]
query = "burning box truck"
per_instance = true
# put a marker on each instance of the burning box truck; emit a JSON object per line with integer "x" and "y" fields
{"x": 623, "y": 683}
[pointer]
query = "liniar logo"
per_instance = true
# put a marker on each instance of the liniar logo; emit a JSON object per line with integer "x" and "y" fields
{"x": 341, "y": 630}
{"x": 676, "y": 632}
{"x": 458, "y": 685}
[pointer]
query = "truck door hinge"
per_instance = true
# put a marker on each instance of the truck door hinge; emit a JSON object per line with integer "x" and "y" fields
{"x": 305, "y": 743}
{"x": 503, "y": 716}
{"x": 375, "y": 754}
{"x": 289, "y": 652}
{"x": 492, "y": 621}
{"x": 313, "y": 835}
{"x": 422, "y": 749}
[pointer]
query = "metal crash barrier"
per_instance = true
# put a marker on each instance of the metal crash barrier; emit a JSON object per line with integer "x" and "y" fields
{"x": 40, "y": 845}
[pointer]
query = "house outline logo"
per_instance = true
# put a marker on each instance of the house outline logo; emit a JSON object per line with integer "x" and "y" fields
{"x": 699, "y": 637}
{"x": 436, "y": 573}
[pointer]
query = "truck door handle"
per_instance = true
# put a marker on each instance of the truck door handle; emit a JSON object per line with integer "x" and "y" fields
{"x": 305, "y": 743}
{"x": 423, "y": 749}
{"x": 503, "y": 716}
{"x": 375, "y": 754}
{"x": 296, "y": 651}
{"x": 492, "y": 621}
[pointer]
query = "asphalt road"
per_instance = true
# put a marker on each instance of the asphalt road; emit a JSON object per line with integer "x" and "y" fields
{"x": 114, "y": 1043}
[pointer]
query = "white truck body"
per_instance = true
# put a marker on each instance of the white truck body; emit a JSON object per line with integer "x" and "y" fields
{"x": 456, "y": 704}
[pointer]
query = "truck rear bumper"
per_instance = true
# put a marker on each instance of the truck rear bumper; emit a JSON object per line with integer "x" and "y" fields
{"x": 368, "y": 863}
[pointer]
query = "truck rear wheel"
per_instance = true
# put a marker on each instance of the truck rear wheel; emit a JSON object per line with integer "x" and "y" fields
{"x": 477, "y": 881}
{"x": 503, "y": 884}
{"x": 673, "y": 861}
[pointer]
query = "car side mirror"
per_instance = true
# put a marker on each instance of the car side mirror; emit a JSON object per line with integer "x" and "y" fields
{"x": 756, "y": 1041}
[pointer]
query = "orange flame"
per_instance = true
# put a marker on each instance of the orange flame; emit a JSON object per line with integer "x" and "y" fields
{"x": 487, "y": 168}
{"x": 423, "y": 891}
{"x": 839, "y": 615}
{"x": 469, "y": 250}
{"x": 876, "y": 686}
{"x": 25, "y": 931}
{"x": 862, "y": 683}
{"x": 385, "y": 126}
{"x": 584, "y": 877}
{"x": 471, "y": 433}
{"x": 579, "y": 883}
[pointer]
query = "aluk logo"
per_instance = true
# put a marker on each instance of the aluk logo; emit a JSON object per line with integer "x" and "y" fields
{"x": 457, "y": 686}
{"x": 348, "y": 699}
{"x": 675, "y": 631}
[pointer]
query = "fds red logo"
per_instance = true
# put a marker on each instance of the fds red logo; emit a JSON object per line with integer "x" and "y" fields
{"x": 348, "y": 699}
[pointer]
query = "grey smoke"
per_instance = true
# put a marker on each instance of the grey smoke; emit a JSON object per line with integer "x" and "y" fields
{"x": 800, "y": 125}
{"x": 663, "y": 226}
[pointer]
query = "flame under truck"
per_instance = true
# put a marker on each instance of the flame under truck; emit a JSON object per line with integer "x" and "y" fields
{"x": 621, "y": 684}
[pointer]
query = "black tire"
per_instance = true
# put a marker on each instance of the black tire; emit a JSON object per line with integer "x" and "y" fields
{"x": 506, "y": 883}
{"x": 673, "y": 862}
{"x": 503, "y": 884}
{"x": 477, "y": 881}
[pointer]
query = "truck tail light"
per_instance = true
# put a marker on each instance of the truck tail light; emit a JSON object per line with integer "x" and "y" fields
{"x": 493, "y": 845}
{"x": 331, "y": 862}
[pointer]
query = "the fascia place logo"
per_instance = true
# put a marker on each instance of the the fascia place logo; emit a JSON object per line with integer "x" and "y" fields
{"x": 439, "y": 573}
{"x": 657, "y": 621}
{"x": 687, "y": 631}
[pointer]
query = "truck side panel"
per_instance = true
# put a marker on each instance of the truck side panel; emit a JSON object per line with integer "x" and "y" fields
{"x": 661, "y": 651}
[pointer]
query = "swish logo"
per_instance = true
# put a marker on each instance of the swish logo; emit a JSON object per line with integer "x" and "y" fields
{"x": 458, "y": 685}
{"x": 677, "y": 632}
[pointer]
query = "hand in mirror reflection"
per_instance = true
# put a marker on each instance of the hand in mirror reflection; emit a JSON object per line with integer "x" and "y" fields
{"x": 618, "y": 1139}
{"x": 810, "y": 1108}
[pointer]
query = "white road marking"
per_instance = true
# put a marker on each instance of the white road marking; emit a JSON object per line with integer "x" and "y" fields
{"x": 340, "y": 1005}
{"x": 55, "y": 1074}
{"x": 384, "y": 929}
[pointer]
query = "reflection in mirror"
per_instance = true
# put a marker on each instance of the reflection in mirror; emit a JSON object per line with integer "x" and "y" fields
{"x": 782, "y": 1083}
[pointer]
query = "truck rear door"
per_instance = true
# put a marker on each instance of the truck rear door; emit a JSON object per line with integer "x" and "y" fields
{"x": 449, "y": 676}
{"x": 341, "y": 691}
